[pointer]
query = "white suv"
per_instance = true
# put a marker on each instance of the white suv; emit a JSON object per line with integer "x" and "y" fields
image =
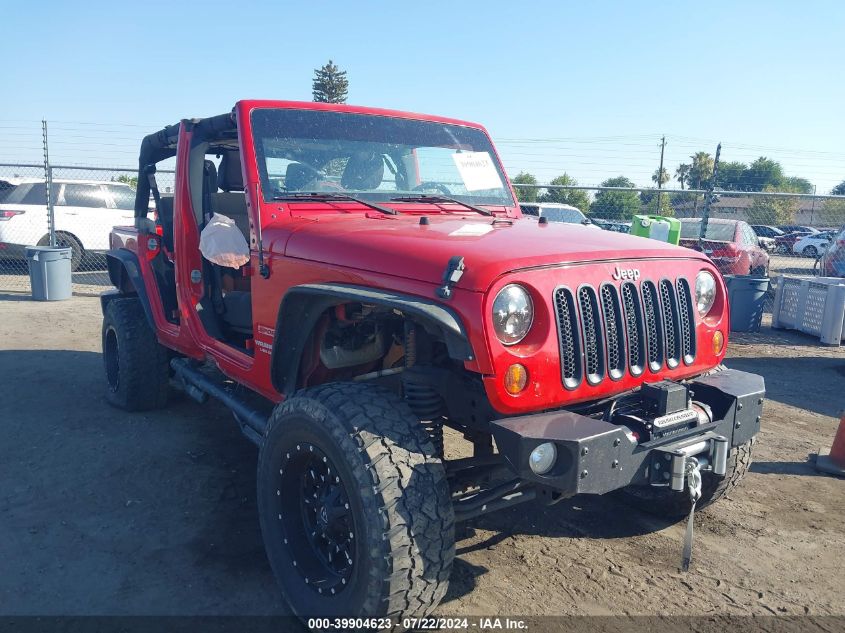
{"x": 85, "y": 212}
{"x": 556, "y": 212}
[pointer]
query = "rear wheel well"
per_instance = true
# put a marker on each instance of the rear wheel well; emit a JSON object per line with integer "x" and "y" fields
{"x": 46, "y": 239}
{"x": 118, "y": 275}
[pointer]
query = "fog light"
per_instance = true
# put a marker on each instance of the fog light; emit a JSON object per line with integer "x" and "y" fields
{"x": 542, "y": 458}
{"x": 718, "y": 342}
{"x": 516, "y": 377}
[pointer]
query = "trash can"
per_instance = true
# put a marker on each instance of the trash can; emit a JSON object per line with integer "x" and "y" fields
{"x": 746, "y": 296}
{"x": 49, "y": 272}
{"x": 657, "y": 227}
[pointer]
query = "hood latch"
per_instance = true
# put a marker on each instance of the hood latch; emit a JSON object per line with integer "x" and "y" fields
{"x": 454, "y": 271}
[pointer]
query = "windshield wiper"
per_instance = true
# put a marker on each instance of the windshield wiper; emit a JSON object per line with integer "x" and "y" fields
{"x": 331, "y": 197}
{"x": 426, "y": 199}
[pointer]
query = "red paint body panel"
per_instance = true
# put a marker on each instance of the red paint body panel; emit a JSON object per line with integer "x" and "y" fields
{"x": 347, "y": 243}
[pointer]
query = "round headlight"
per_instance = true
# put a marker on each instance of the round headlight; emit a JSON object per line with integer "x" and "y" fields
{"x": 542, "y": 458}
{"x": 705, "y": 292}
{"x": 513, "y": 313}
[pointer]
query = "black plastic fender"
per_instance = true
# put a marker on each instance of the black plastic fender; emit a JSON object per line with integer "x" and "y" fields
{"x": 302, "y": 307}
{"x": 125, "y": 275}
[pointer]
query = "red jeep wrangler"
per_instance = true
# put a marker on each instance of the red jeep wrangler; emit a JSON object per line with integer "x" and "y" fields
{"x": 393, "y": 289}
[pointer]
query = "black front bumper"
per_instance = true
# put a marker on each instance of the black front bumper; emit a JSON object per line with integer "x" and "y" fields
{"x": 596, "y": 457}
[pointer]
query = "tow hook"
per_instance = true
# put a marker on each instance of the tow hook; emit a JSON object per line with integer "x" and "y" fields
{"x": 693, "y": 478}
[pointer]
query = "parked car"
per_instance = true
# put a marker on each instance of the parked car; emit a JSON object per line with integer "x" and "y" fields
{"x": 833, "y": 260}
{"x": 785, "y": 242}
{"x": 612, "y": 225}
{"x": 85, "y": 212}
{"x": 555, "y": 212}
{"x": 798, "y": 228}
{"x": 767, "y": 235}
{"x": 731, "y": 244}
{"x": 813, "y": 245}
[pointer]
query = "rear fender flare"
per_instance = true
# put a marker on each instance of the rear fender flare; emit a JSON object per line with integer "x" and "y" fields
{"x": 125, "y": 275}
{"x": 302, "y": 306}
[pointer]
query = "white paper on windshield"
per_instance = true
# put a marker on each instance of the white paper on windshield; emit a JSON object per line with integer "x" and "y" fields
{"x": 478, "y": 171}
{"x": 471, "y": 230}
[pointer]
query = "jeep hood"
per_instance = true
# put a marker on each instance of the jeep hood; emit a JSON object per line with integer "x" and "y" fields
{"x": 401, "y": 246}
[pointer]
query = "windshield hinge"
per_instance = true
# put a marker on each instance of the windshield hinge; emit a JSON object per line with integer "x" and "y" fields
{"x": 454, "y": 271}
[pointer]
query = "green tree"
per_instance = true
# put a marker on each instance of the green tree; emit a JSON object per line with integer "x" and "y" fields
{"x": 764, "y": 174}
{"x": 525, "y": 194}
{"x": 660, "y": 176}
{"x": 700, "y": 171}
{"x": 797, "y": 184}
{"x": 732, "y": 176}
{"x": 616, "y": 205}
{"x": 773, "y": 210}
{"x": 132, "y": 181}
{"x": 330, "y": 84}
{"x": 648, "y": 203}
{"x": 575, "y": 197}
{"x": 682, "y": 174}
{"x": 832, "y": 213}
{"x": 838, "y": 190}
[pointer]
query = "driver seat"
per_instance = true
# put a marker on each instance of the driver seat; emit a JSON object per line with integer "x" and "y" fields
{"x": 364, "y": 170}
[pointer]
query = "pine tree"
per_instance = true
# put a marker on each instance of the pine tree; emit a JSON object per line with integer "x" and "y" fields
{"x": 330, "y": 84}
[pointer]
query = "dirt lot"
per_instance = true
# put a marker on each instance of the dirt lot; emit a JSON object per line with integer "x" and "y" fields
{"x": 103, "y": 512}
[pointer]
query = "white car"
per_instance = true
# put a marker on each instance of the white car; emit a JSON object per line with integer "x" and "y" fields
{"x": 85, "y": 212}
{"x": 556, "y": 212}
{"x": 813, "y": 245}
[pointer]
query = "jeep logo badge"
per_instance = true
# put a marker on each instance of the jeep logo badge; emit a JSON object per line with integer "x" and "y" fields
{"x": 626, "y": 273}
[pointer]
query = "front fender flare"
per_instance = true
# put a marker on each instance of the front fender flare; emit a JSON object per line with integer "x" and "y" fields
{"x": 125, "y": 275}
{"x": 303, "y": 305}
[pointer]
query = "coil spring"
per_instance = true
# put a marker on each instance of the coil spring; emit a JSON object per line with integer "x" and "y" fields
{"x": 423, "y": 399}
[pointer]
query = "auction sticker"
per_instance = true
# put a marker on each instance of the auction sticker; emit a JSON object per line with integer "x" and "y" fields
{"x": 478, "y": 171}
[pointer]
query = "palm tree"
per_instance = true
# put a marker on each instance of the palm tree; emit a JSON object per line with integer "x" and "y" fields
{"x": 682, "y": 173}
{"x": 660, "y": 177}
{"x": 701, "y": 169}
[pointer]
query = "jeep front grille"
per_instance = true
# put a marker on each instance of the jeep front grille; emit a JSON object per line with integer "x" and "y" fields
{"x": 606, "y": 333}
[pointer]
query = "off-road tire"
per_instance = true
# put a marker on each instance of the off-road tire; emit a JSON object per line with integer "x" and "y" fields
{"x": 66, "y": 240}
{"x": 670, "y": 504}
{"x": 135, "y": 363}
{"x": 396, "y": 485}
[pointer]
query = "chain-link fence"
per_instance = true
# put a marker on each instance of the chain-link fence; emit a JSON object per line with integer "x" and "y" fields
{"x": 84, "y": 203}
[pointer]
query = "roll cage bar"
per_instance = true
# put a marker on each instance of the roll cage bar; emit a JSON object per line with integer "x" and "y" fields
{"x": 161, "y": 145}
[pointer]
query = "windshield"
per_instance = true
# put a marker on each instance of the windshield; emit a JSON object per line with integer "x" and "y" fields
{"x": 374, "y": 157}
{"x": 721, "y": 232}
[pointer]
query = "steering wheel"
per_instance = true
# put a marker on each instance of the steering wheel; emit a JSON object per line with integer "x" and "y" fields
{"x": 433, "y": 186}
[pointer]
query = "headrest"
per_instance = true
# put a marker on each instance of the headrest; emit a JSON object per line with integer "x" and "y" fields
{"x": 297, "y": 176}
{"x": 364, "y": 170}
{"x": 229, "y": 175}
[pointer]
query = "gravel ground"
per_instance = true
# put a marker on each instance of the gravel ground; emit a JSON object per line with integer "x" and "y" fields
{"x": 104, "y": 512}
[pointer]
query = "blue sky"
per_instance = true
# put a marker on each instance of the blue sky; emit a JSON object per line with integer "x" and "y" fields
{"x": 597, "y": 83}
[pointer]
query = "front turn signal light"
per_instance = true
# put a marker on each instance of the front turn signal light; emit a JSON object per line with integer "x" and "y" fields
{"x": 718, "y": 342}
{"x": 516, "y": 378}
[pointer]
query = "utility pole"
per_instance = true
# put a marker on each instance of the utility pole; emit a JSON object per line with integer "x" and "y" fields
{"x": 660, "y": 173}
{"x": 813, "y": 208}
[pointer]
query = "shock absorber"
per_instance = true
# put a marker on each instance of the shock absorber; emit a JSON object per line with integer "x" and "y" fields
{"x": 420, "y": 394}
